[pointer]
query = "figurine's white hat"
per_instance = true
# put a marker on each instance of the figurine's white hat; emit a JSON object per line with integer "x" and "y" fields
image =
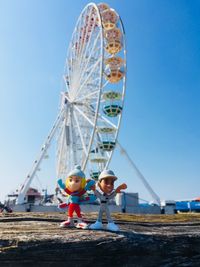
{"x": 107, "y": 173}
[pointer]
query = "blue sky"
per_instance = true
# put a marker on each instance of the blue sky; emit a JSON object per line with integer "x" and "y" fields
{"x": 160, "y": 128}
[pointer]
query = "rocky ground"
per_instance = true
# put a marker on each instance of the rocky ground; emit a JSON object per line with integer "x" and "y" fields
{"x": 35, "y": 239}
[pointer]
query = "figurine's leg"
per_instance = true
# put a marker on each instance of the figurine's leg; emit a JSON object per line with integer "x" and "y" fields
{"x": 70, "y": 221}
{"x": 100, "y": 214}
{"x": 81, "y": 224}
{"x": 98, "y": 224}
{"x": 111, "y": 226}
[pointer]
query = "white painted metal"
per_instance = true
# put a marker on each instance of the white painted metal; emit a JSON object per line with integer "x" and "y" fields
{"x": 24, "y": 188}
{"x": 141, "y": 176}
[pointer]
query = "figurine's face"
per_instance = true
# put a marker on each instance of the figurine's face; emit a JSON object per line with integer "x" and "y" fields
{"x": 107, "y": 185}
{"x": 74, "y": 183}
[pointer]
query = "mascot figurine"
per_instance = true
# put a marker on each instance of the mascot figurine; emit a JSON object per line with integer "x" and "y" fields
{"x": 75, "y": 189}
{"x": 106, "y": 182}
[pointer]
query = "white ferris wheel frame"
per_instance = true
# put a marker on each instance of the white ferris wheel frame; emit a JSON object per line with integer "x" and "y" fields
{"x": 87, "y": 147}
{"x": 65, "y": 111}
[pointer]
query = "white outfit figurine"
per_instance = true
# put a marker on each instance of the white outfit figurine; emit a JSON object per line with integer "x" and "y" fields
{"x": 106, "y": 184}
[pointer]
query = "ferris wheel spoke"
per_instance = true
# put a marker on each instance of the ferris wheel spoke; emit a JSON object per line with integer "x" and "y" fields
{"x": 90, "y": 86}
{"x": 61, "y": 148}
{"x": 91, "y": 72}
{"x": 88, "y": 48}
{"x": 79, "y": 23}
{"x": 80, "y": 74}
{"x": 92, "y": 75}
{"x": 107, "y": 154}
{"x": 80, "y": 39}
{"x": 62, "y": 151}
{"x": 84, "y": 116}
{"x": 73, "y": 139}
{"x": 104, "y": 85}
{"x": 93, "y": 98}
{"x": 106, "y": 120}
{"x": 69, "y": 70}
{"x": 72, "y": 53}
{"x": 80, "y": 133}
{"x": 87, "y": 78}
{"x": 74, "y": 93}
{"x": 88, "y": 95}
{"x": 86, "y": 34}
{"x": 91, "y": 52}
{"x": 67, "y": 79}
{"x": 91, "y": 67}
{"x": 69, "y": 60}
{"x": 91, "y": 42}
{"x": 90, "y": 60}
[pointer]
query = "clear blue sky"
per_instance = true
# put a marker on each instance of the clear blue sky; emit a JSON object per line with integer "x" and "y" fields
{"x": 160, "y": 128}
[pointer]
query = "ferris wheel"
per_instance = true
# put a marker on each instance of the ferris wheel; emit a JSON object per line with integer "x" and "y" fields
{"x": 94, "y": 89}
{"x": 92, "y": 101}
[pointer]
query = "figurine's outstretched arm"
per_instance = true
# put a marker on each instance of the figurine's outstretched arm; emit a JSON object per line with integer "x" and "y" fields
{"x": 61, "y": 184}
{"x": 120, "y": 187}
{"x": 90, "y": 184}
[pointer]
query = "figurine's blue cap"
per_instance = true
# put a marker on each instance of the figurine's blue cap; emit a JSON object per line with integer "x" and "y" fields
{"x": 77, "y": 172}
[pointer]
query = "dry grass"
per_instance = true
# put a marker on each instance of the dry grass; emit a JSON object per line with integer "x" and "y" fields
{"x": 181, "y": 217}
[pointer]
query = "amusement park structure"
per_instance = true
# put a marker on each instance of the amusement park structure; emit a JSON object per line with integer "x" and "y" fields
{"x": 92, "y": 100}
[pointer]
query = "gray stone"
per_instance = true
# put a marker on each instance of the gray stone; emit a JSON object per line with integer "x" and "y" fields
{"x": 28, "y": 239}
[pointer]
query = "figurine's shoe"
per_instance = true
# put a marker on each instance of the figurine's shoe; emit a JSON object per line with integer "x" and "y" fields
{"x": 96, "y": 226}
{"x": 68, "y": 223}
{"x": 82, "y": 225}
{"x": 62, "y": 205}
{"x": 112, "y": 227}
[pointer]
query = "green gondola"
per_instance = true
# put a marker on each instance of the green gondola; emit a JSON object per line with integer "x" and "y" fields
{"x": 112, "y": 110}
{"x": 107, "y": 145}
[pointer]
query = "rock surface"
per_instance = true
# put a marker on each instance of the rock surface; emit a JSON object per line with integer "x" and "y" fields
{"x": 33, "y": 239}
